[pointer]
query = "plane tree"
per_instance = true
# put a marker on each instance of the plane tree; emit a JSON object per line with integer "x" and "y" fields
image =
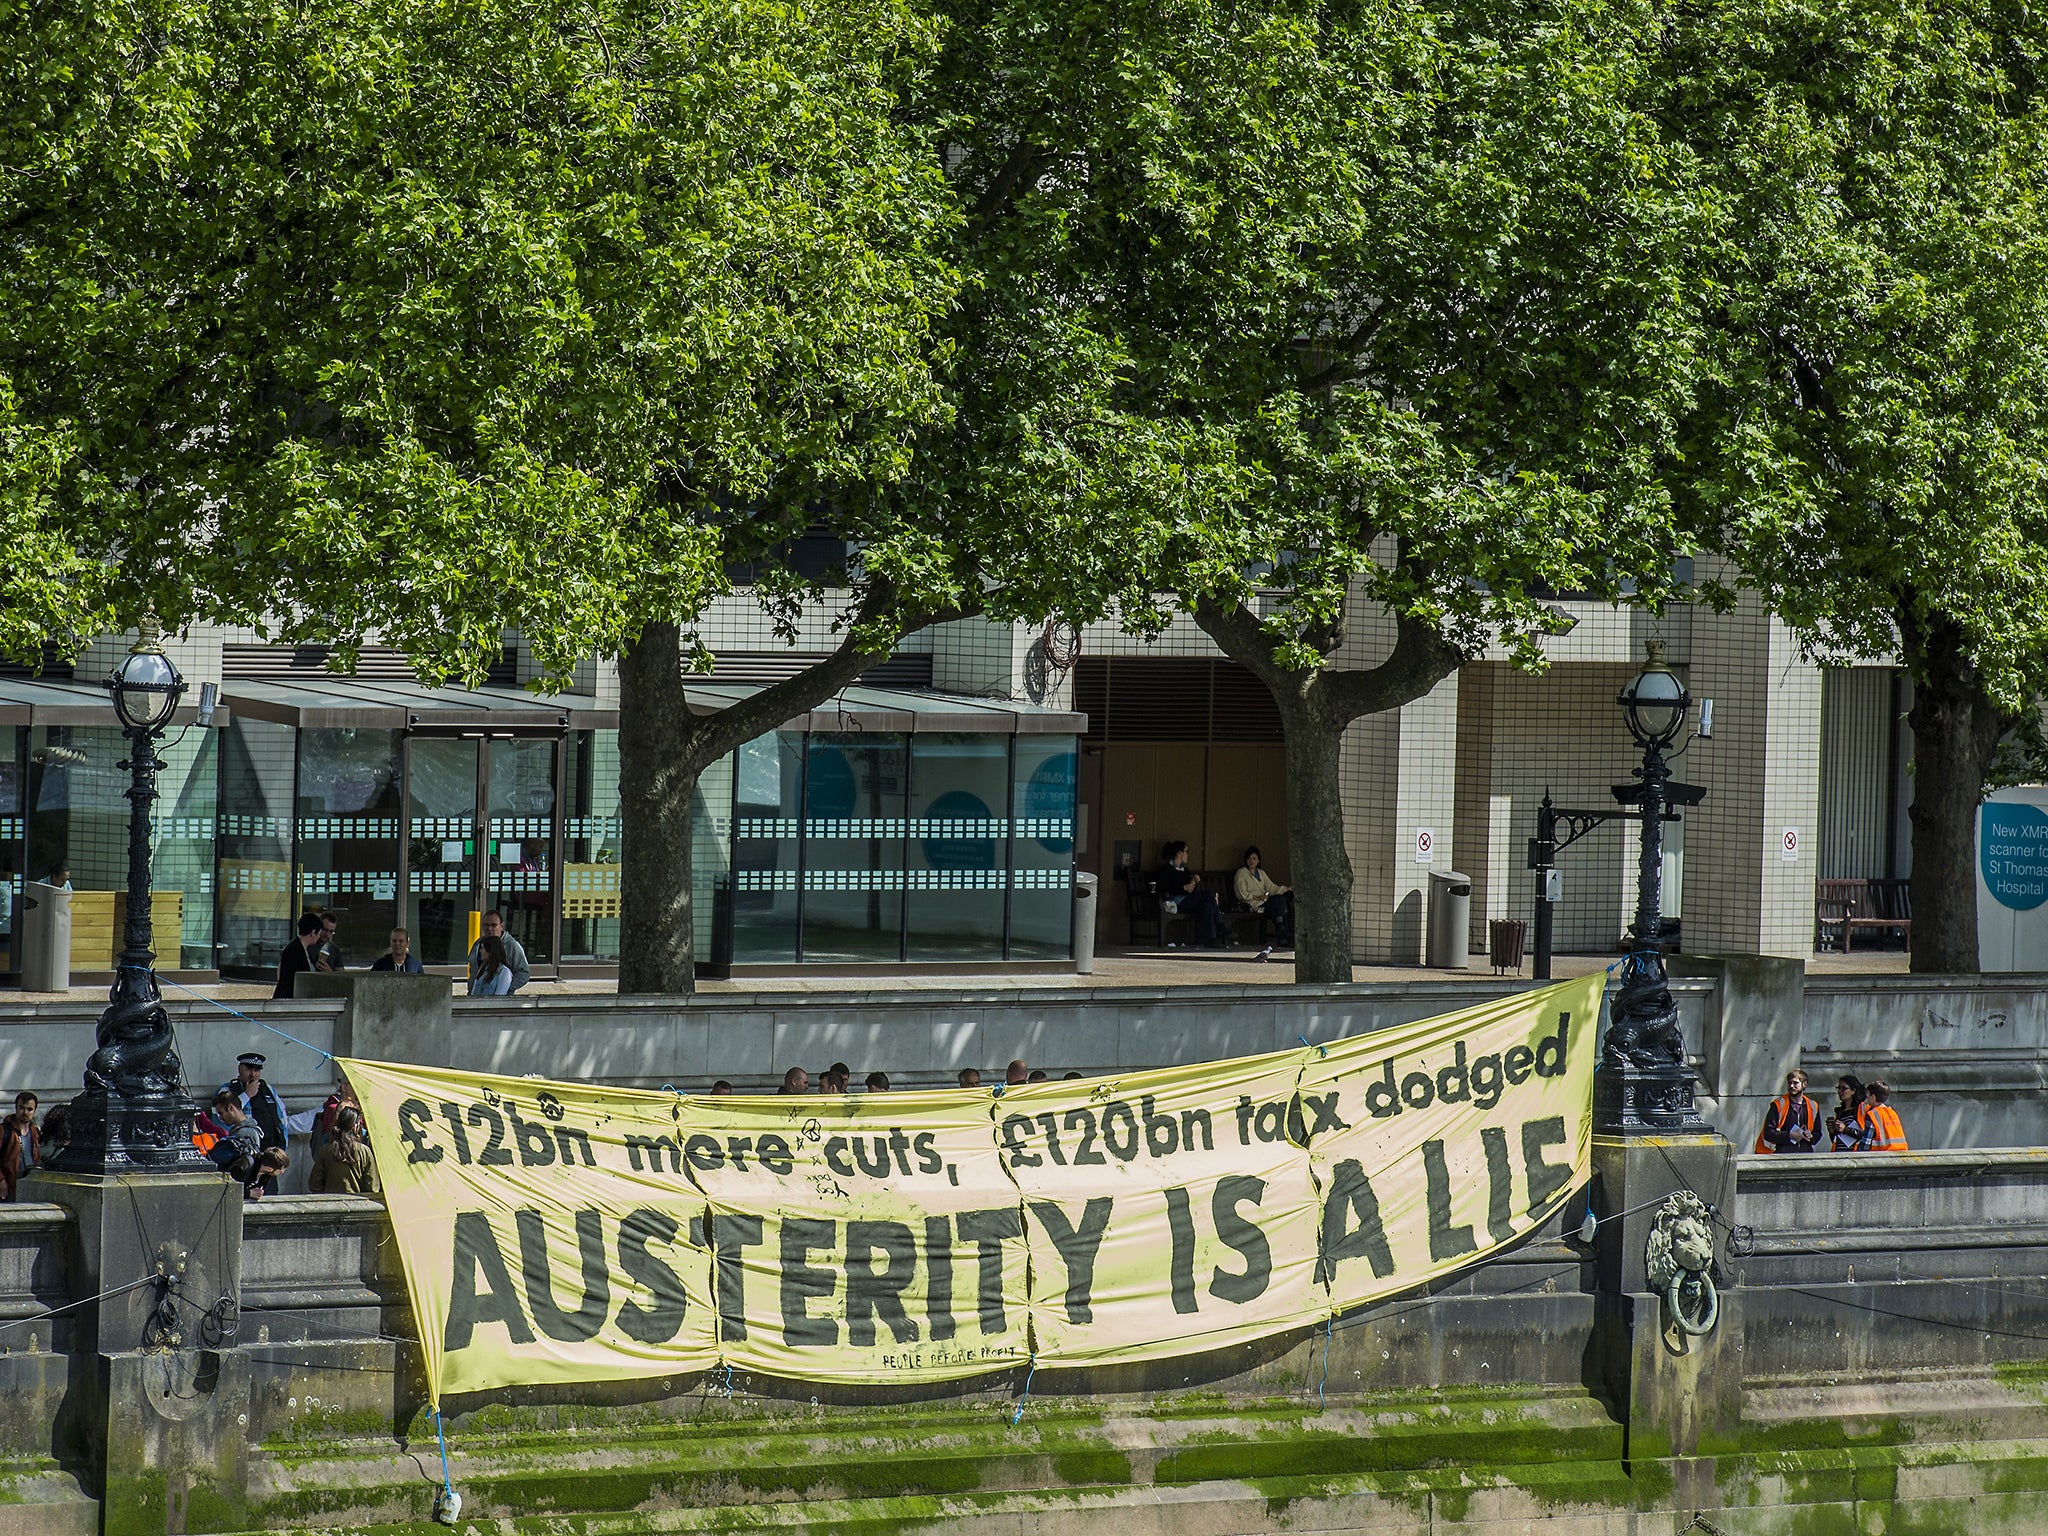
{"x": 1871, "y": 447}
{"x": 1354, "y": 330}
{"x": 385, "y": 319}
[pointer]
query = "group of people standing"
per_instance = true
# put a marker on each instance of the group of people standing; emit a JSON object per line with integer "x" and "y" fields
{"x": 246, "y": 1133}
{"x": 1863, "y": 1121}
{"x": 1182, "y": 894}
{"x": 498, "y": 966}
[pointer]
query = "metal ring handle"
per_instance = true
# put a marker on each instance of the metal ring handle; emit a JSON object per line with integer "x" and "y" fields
{"x": 1685, "y": 1324}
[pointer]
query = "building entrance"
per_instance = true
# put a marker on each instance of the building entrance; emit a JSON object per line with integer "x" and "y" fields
{"x": 481, "y": 833}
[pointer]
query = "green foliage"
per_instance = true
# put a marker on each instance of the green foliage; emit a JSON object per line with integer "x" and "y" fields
{"x": 400, "y": 318}
{"x": 1872, "y": 449}
{"x": 2022, "y": 756}
{"x": 1305, "y": 293}
{"x": 46, "y": 588}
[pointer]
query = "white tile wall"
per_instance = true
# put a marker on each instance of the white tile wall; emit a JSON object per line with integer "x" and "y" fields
{"x": 1762, "y": 774}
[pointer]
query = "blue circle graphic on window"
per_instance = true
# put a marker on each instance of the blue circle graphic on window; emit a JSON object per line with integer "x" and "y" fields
{"x": 1049, "y": 796}
{"x": 965, "y": 844}
{"x": 831, "y": 793}
{"x": 2012, "y": 852}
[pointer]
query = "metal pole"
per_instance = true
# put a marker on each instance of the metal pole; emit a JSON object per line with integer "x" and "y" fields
{"x": 134, "y": 1113}
{"x": 137, "y": 954}
{"x": 1650, "y": 868}
{"x": 1546, "y": 860}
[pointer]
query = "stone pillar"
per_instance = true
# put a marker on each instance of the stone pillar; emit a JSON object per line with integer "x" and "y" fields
{"x": 159, "y": 1413}
{"x": 1761, "y": 770}
{"x": 1676, "y": 1395}
{"x": 1399, "y": 776}
{"x": 1753, "y": 1033}
{"x": 388, "y": 1016}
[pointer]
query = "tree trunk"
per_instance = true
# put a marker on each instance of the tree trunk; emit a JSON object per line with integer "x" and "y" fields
{"x": 1315, "y": 706}
{"x": 657, "y": 780}
{"x": 1956, "y": 730}
{"x": 663, "y": 748}
{"x": 1321, "y": 868}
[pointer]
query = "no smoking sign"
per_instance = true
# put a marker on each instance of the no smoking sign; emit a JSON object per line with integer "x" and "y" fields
{"x": 1425, "y": 845}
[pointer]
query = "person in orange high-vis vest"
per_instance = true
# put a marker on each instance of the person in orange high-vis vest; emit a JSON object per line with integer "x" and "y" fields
{"x": 1886, "y": 1134}
{"x": 1792, "y": 1123}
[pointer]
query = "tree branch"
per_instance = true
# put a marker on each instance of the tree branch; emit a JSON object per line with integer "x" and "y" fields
{"x": 1347, "y": 350}
{"x": 1016, "y": 175}
{"x": 1421, "y": 659}
{"x": 1240, "y": 636}
{"x": 713, "y": 735}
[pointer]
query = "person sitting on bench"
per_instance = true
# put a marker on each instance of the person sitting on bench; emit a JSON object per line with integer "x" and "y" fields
{"x": 1274, "y": 903}
{"x": 1181, "y": 891}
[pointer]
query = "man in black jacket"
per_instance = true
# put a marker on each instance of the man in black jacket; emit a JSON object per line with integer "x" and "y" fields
{"x": 298, "y": 953}
{"x": 1181, "y": 890}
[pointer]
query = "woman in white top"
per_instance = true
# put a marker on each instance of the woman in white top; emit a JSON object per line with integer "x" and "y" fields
{"x": 1259, "y": 892}
{"x": 494, "y": 975}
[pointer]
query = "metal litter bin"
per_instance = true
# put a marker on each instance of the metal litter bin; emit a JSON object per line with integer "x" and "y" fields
{"x": 45, "y": 937}
{"x": 1085, "y": 899}
{"x": 1450, "y": 920}
{"x": 1505, "y": 938}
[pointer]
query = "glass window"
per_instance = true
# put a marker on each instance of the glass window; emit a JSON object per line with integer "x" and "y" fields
{"x": 853, "y": 847}
{"x": 76, "y": 791}
{"x": 590, "y": 848}
{"x": 959, "y": 845}
{"x": 711, "y": 862}
{"x": 256, "y": 778}
{"x": 768, "y": 793}
{"x": 440, "y": 859}
{"x": 1042, "y": 857}
{"x": 13, "y": 739}
{"x": 519, "y": 843}
{"x": 348, "y": 803}
{"x": 181, "y": 843}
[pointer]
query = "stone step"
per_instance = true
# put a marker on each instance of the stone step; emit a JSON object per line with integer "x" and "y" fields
{"x": 889, "y": 1456}
{"x": 38, "y": 1498}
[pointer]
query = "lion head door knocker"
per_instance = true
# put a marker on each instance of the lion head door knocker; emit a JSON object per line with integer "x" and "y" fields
{"x": 1679, "y": 1258}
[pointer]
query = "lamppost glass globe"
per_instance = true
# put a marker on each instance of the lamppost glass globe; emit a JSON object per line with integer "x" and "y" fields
{"x": 146, "y": 687}
{"x": 1655, "y": 702}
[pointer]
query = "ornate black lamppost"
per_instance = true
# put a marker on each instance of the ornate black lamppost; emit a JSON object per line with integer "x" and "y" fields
{"x": 134, "y": 1113}
{"x": 1644, "y": 1084}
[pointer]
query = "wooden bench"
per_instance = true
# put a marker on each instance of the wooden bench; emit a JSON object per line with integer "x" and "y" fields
{"x": 1842, "y": 907}
{"x": 1144, "y": 910}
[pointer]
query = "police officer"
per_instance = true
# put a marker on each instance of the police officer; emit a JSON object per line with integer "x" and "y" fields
{"x": 1792, "y": 1123}
{"x": 260, "y": 1102}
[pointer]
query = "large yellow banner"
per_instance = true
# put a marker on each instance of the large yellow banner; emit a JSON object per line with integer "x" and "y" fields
{"x": 559, "y": 1232}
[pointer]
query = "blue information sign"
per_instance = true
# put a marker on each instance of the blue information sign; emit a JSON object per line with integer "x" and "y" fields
{"x": 2012, "y": 850}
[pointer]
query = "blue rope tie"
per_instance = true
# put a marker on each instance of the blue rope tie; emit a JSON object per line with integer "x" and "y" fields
{"x": 1320, "y": 1050}
{"x": 441, "y": 1434}
{"x": 224, "y": 1008}
{"x": 1016, "y": 1417}
{"x": 1329, "y": 1324}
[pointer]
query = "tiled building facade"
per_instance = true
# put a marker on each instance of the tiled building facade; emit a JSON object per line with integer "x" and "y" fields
{"x": 1804, "y": 776}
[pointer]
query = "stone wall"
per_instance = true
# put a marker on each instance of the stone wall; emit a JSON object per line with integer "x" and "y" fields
{"x": 1889, "y": 1316}
{"x": 1968, "y": 1056}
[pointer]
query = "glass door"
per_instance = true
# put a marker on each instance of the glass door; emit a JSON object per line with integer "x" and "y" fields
{"x": 519, "y": 842}
{"x": 13, "y": 845}
{"x": 442, "y": 859}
